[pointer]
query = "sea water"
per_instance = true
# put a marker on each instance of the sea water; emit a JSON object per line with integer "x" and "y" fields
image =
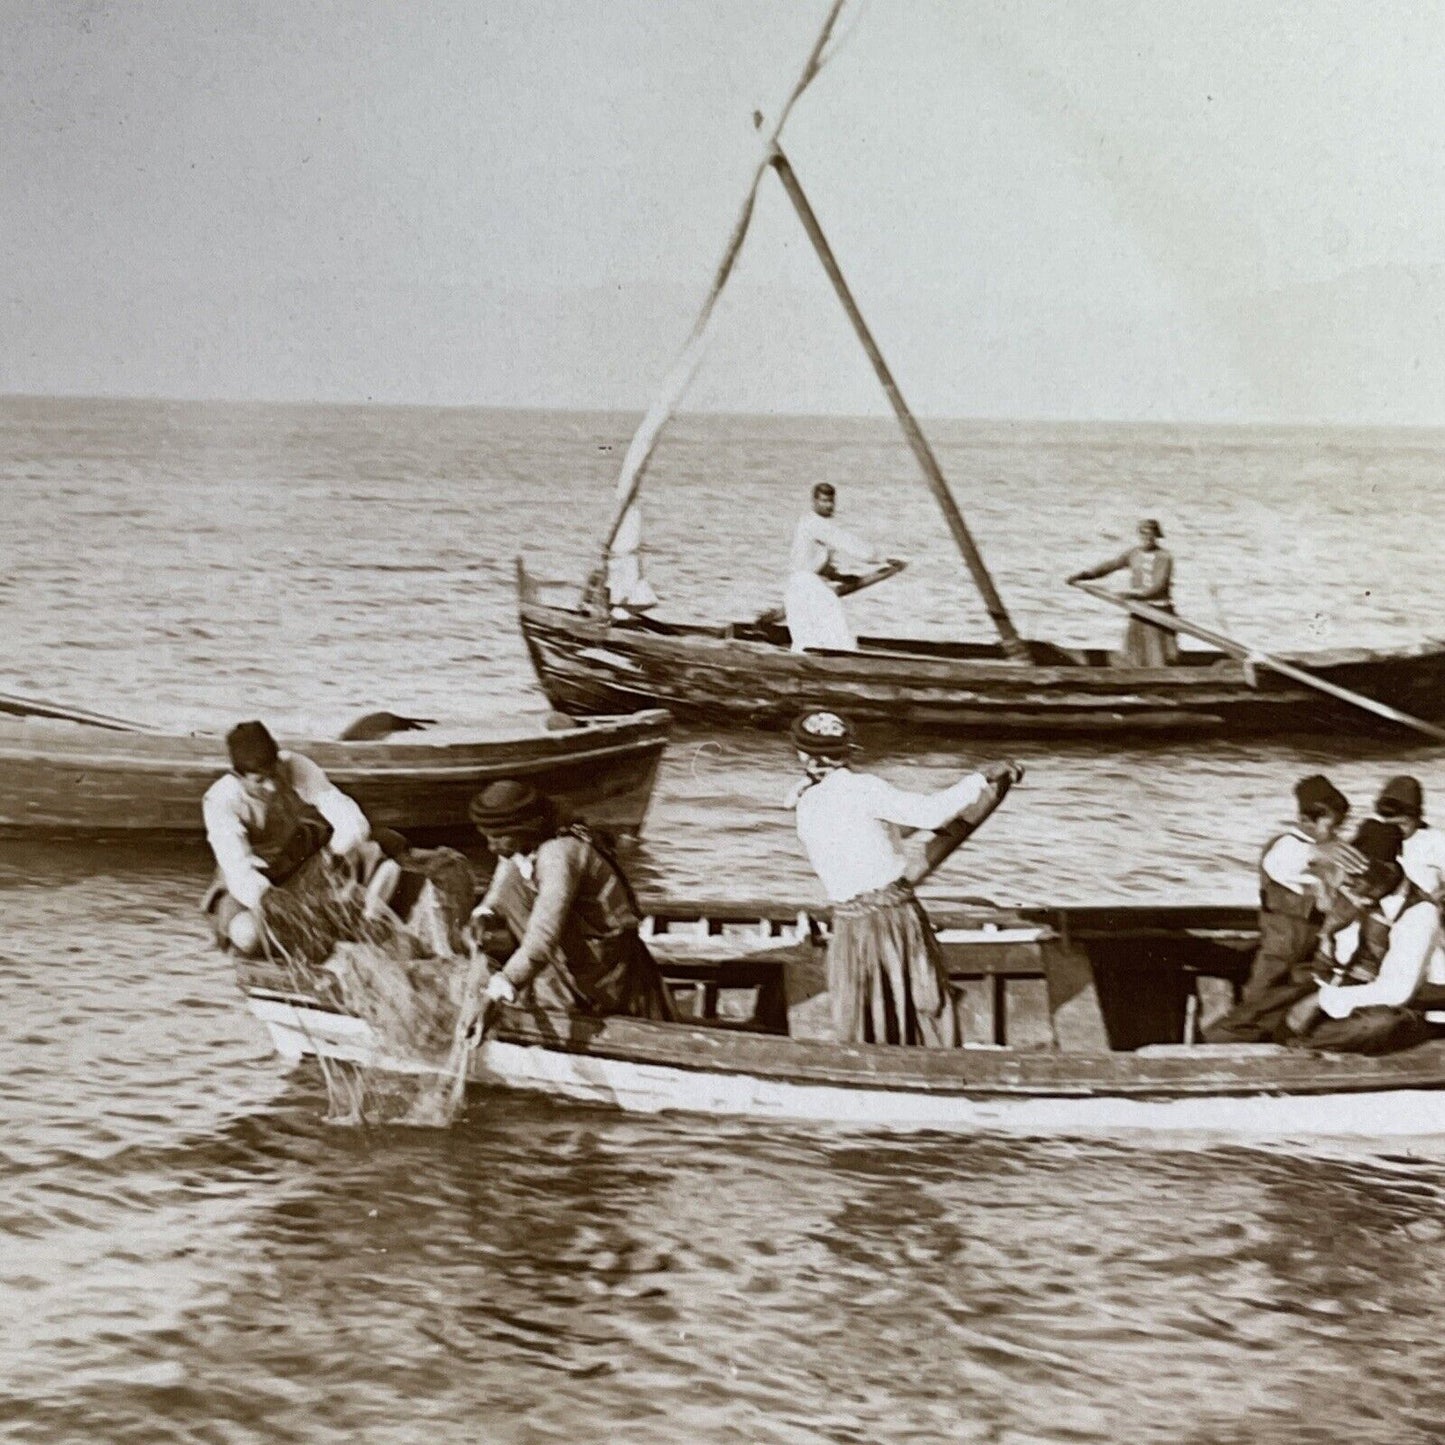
{"x": 188, "y": 1252}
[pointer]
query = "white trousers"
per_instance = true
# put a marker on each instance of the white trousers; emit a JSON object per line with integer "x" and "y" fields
{"x": 815, "y": 614}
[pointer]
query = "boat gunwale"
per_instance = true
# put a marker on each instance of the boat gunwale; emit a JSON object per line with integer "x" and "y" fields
{"x": 1223, "y": 670}
{"x": 993, "y": 1072}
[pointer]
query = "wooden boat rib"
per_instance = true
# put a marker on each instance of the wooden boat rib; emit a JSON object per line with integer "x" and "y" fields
{"x": 59, "y": 780}
{"x": 1138, "y": 971}
{"x": 744, "y": 675}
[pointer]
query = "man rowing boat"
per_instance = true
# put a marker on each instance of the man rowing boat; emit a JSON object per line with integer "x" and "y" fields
{"x": 279, "y": 865}
{"x": 886, "y": 978}
{"x": 814, "y": 611}
{"x": 1151, "y": 580}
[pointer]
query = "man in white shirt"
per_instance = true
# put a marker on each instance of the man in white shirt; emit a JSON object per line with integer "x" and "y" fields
{"x": 886, "y": 978}
{"x": 1394, "y": 950}
{"x": 1402, "y": 802}
{"x": 264, "y": 839}
{"x": 814, "y": 610}
{"x": 1293, "y": 902}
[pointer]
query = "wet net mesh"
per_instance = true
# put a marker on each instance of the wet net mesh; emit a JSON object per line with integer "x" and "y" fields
{"x": 412, "y": 978}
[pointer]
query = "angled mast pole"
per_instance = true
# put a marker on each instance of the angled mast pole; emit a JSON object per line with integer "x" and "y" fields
{"x": 645, "y": 439}
{"x": 1013, "y": 644}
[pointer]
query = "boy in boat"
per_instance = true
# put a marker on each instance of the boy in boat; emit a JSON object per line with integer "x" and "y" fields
{"x": 279, "y": 869}
{"x": 559, "y": 913}
{"x": 1294, "y": 896}
{"x": 1422, "y": 856}
{"x": 1151, "y": 580}
{"x": 1388, "y": 964}
{"x": 813, "y": 609}
{"x": 886, "y": 978}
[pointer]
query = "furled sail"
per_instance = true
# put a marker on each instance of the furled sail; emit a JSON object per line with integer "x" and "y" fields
{"x": 622, "y": 561}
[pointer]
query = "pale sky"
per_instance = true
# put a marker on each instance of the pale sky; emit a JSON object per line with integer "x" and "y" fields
{"x": 1120, "y": 209}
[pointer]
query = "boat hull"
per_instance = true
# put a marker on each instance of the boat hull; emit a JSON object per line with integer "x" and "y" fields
{"x": 651, "y": 1068}
{"x": 746, "y": 676}
{"x": 58, "y": 780}
{"x": 1090, "y": 1009}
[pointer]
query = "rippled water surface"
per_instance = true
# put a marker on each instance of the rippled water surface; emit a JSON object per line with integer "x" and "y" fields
{"x": 188, "y": 1253}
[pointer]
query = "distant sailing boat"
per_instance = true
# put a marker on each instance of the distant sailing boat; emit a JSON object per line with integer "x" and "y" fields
{"x": 604, "y": 654}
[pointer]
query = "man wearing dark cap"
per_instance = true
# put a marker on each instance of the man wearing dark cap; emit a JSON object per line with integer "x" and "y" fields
{"x": 886, "y": 980}
{"x": 560, "y": 914}
{"x": 1402, "y": 802}
{"x": 814, "y": 610}
{"x": 1294, "y": 895}
{"x": 1151, "y": 580}
{"x": 264, "y": 838}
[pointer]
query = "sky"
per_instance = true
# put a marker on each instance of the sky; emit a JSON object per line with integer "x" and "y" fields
{"x": 1119, "y": 210}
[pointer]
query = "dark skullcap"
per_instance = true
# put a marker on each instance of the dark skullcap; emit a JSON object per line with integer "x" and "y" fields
{"x": 252, "y": 748}
{"x": 1379, "y": 844}
{"x": 1401, "y": 797}
{"x": 508, "y": 804}
{"x": 1316, "y": 794}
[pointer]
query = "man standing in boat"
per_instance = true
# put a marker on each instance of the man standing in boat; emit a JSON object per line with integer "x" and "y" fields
{"x": 886, "y": 978}
{"x": 1294, "y": 897}
{"x": 559, "y": 913}
{"x": 813, "y": 608}
{"x": 276, "y": 862}
{"x": 1151, "y": 580}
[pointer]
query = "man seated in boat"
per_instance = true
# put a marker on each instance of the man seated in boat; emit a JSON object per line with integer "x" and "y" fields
{"x": 1151, "y": 580}
{"x": 280, "y": 865}
{"x": 1295, "y": 893}
{"x": 559, "y": 913}
{"x": 813, "y": 608}
{"x": 1387, "y": 966}
{"x": 886, "y": 978}
{"x": 1422, "y": 855}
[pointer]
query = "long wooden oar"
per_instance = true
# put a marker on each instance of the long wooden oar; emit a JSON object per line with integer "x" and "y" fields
{"x": 949, "y": 837}
{"x": 846, "y": 587}
{"x": 37, "y": 707}
{"x": 1253, "y": 657}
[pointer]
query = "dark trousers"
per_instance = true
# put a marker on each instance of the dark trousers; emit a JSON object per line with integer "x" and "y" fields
{"x": 1279, "y": 978}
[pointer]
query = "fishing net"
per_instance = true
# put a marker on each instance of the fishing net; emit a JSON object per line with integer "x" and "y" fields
{"x": 410, "y": 975}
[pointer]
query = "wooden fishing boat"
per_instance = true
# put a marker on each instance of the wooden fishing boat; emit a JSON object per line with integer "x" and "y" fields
{"x": 1085, "y": 1021}
{"x": 600, "y": 651}
{"x": 743, "y": 674}
{"x": 62, "y": 779}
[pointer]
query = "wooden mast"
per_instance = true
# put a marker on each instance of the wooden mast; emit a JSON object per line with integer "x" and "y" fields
{"x": 645, "y": 439}
{"x": 1013, "y": 644}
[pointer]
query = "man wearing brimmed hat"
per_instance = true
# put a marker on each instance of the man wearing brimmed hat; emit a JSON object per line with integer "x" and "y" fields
{"x": 1402, "y": 802}
{"x": 1394, "y": 950}
{"x": 1151, "y": 580}
{"x": 886, "y": 978}
{"x": 265, "y": 838}
{"x": 560, "y": 914}
{"x": 813, "y": 609}
{"x": 1294, "y": 896}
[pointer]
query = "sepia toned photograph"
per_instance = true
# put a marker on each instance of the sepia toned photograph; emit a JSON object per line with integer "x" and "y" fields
{"x": 722, "y": 721}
